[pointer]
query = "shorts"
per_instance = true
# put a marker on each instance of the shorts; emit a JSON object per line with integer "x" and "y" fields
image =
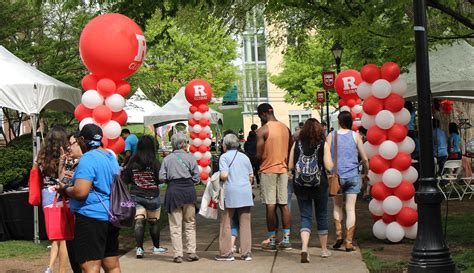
{"x": 274, "y": 188}
{"x": 148, "y": 207}
{"x": 94, "y": 239}
{"x": 350, "y": 185}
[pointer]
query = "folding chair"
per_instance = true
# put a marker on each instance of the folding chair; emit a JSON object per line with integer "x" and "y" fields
{"x": 450, "y": 175}
{"x": 468, "y": 186}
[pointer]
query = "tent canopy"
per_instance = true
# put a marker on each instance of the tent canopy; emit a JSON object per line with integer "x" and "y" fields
{"x": 451, "y": 73}
{"x": 177, "y": 109}
{"x": 138, "y": 105}
{"x": 28, "y": 90}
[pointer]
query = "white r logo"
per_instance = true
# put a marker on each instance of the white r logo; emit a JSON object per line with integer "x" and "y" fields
{"x": 199, "y": 91}
{"x": 349, "y": 83}
{"x": 141, "y": 48}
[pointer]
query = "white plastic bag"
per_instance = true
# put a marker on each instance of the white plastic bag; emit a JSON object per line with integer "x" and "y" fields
{"x": 208, "y": 207}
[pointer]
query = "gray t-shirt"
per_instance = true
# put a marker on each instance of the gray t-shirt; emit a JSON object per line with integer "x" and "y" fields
{"x": 172, "y": 168}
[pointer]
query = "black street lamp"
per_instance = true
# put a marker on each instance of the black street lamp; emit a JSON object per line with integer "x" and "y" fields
{"x": 430, "y": 253}
{"x": 337, "y": 53}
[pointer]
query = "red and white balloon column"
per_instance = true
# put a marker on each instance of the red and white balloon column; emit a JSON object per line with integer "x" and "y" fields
{"x": 346, "y": 87}
{"x": 112, "y": 47}
{"x": 388, "y": 148}
{"x": 198, "y": 94}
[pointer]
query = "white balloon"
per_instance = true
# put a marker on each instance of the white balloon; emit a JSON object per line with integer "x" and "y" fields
{"x": 399, "y": 86}
{"x": 410, "y": 203}
{"x": 381, "y": 88}
{"x": 392, "y": 205}
{"x": 197, "y": 142}
{"x": 198, "y": 156}
{"x": 112, "y": 129}
{"x": 207, "y": 169}
{"x": 200, "y": 169}
{"x": 207, "y": 115}
{"x": 357, "y": 122}
{"x": 410, "y": 232}
{"x": 85, "y": 121}
{"x": 384, "y": 119}
{"x": 370, "y": 149}
{"x": 115, "y": 102}
{"x": 379, "y": 229}
{"x": 344, "y": 108}
{"x": 367, "y": 120}
{"x": 402, "y": 116}
{"x": 197, "y": 128}
{"x": 357, "y": 108}
{"x": 392, "y": 178}
{"x": 376, "y": 207}
{"x": 197, "y": 115}
{"x": 388, "y": 149}
{"x": 207, "y": 142}
{"x": 364, "y": 90}
{"x": 207, "y": 155}
{"x": 91, "y": 99}
{"x": 374, "y": 177}
{"x": 410, "y": 174}
{"x": 394, "y": 232}
{"x": 407, "y": 145}
{"x": 207, "y": 129}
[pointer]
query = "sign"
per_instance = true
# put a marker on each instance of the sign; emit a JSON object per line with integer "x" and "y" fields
{"x": 320, "y": 97}
{"x": 328, "y": 79}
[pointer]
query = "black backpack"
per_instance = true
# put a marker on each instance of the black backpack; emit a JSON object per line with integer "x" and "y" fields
{"x": 307, "y": 168}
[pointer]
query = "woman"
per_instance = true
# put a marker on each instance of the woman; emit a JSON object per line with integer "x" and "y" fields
{"x": 95, "y": 238}
{"x": 454, "y": 142}
{"x": 142, "y": 173}
{"x": 180, "y": 171}
{"x": 311, "y": 143}
{"x": 50, "y": 163}
{"x": 237, "y": 174}
{"x": 349, "y": 148}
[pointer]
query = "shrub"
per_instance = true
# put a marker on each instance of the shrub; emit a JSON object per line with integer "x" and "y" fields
{"x": 14, "y": 164}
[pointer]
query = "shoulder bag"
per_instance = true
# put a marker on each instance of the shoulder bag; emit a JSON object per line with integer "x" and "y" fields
{"x": 334, "y": 180}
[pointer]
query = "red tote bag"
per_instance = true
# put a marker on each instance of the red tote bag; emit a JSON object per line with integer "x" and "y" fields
{"x": 34, "y": 185}
{"x": 59, "y": 221}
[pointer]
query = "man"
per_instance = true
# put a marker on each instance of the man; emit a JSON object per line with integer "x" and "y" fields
{"x": 273, "y": 144}
{"x": 440, "y": 147}
{"x": 131, "y": 141}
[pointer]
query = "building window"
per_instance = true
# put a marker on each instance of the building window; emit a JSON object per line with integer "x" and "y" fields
{"x": 296, "y": 117}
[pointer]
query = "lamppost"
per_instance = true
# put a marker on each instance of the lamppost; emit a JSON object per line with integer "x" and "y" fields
{"x": 430, "y": 253}
{"x": 337, "y": 53}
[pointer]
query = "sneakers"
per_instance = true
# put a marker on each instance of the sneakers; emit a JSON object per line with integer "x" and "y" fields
{"x": 224, "y": 258}
{"x": 48, "y": 270}
{"x": 140, "y": 252}
{"x": 285, "y": 245}
{"x": 192, "y": 257}
{"x": 325, "y": 253}
{"x": 270, "y": 246}
{"x": 247, "y": 257}
{"x": 304, "y": 257}
{"x": 178, "y": 259}
{"x": 159, "y": 250}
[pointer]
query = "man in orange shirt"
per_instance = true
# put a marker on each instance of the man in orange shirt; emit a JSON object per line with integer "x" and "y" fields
{"x": 273, "y": 145}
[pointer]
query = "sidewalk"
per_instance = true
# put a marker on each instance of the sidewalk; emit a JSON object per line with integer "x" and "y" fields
{"x": 263, "y": 261}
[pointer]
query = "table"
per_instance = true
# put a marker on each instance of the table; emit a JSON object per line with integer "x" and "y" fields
{"x": 16, "y": 217}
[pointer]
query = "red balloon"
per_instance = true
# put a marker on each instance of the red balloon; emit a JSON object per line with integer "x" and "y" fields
{"x": 105, "y": 142}
{"x": 204, "y": 176}
{"x": 112, "y": 46}
{"x": 379, "y": 191}
{"x": 346, "y": 84}
{"x": 193, "y": 135}
{"x": 355, "y": 127}
{"x": 351, "y": 102}
{"x": 407, "y": 217}
{"x": 359, "y": 115}
{"x": 376, "y": 218}
{"x": 193, "y": 109}
{"x": 378, "y": 164}
{"x": 203, "y": 108}
{"x": 89, "y": 82}
{"x": 81, "y": 112}
{"x": 393, "y": 103}
{"x": 390, "y": 71}
{"x": 376, "y": 136}
{"x": 117, "y": 145}
{"x": 370, "y": 73}
{"x": 342, "y": 102}
{"x": 121, "y": 117}
{"x": 102, "y": 114}
{"x": 203, "y": 162}
{"x": 106, "y": 87}
{"x": 387, "y": 218}
{"x": 405, "y": 191}
{"x": 204, "y": 122}
{"x": 401, "y": 161}
{"x": 358, "y": 101}
{"x": 192, "y": 122}
{"x": 397, "y": 132}
{"x": 354, "y": 115}
{"x": 198, "y": 92}
{"x": 203, "y": 148}
{"x": 123, "y": 88}
{"x": 372, "y": 105}
{"x": 202, "y": 135}
{"x": 193, "y": 149}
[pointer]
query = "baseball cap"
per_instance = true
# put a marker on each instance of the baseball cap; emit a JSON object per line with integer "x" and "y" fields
{"x": 92, "y": 135}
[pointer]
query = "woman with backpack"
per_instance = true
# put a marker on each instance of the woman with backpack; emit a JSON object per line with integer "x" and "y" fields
{"x": 142, "y": 173}
{"x": 310, "y": 157}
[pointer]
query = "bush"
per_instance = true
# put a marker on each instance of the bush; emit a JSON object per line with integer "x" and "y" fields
{"x": 14, "y": 164}
{"x": 22, "y": 142}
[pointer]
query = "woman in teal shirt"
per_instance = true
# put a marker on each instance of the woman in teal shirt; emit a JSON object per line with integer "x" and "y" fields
{"x": 454, "y": 142}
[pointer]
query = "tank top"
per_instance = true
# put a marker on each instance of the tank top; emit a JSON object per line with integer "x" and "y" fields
{"x": 347, "y": 155}
{"x": 275, "y": 151}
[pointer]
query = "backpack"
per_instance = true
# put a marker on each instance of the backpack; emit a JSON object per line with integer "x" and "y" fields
{"x": 307, "y": 170}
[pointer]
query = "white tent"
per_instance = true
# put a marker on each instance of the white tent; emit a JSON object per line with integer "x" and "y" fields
{"x": 138, "y": 105}
{"x": 177, "y": 109}
{"x": 451, "y": 72}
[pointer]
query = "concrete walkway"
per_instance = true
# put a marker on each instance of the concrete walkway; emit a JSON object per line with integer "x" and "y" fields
{"x": 263, "y": 261}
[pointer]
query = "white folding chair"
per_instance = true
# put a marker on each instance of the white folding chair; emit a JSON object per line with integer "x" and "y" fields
{"x": 468, "y": 186}
{"x": 450, "y": 175}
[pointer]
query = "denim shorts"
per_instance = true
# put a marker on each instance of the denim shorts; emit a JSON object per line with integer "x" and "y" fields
{"x": 351, "y": 184}
{"x": 147, "y": 203}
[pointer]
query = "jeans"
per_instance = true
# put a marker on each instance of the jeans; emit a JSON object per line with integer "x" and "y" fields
{"x": 351, "y": 184}
{"x": 234, "y": 227}
{"x": 320, "y": 209}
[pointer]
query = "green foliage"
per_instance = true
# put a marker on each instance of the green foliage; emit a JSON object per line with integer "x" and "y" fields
{"x": 14, "y": 165}
{"x": 23, "y": 249}
{"x": 23, "y": 142}
{"x": 374, "y": 264}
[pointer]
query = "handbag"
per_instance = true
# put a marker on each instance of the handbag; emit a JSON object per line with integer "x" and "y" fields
{"x": 34, "y": 186}
{"x": 334, "y": 180}
{"x": 59, "y": 220}
{"x": 208, "y": 208}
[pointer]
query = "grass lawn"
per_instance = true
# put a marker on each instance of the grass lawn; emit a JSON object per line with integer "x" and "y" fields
{"x": 23, "y": 249}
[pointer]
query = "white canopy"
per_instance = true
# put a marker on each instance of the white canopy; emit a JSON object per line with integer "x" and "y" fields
{"x": 28, "y": 90}
{"x": 451, "y": 72}
{"x": 138, "y": 105}
{"x": 177, "y": 109}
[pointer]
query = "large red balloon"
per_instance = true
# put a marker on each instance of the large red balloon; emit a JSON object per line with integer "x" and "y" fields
{"x": 204, "y": 176}
{"x": 393, "y": 103}
{"x": 105, "y": 142}
{"x": 405, "y": 191}
{"x": 193, "y": 149}
{"x": 397, "y": 132}
{"x": 376, "y": 136}
{"x": 89, "y": 82}
{"x": 203, "y": 148}
{"x": 106, "y": 87}
{"x": 390, "y": 71}
{"x": 204, "y": 122}
{"x": 387, "y": 218}
{"x": 121, "y": 117}
{"x": 192, "y": 122}
{"x": 378, "y": 164}
{"x": 112, "y": 46}
{"x": 203, "y": 108}
{"x": 198, "y": 92}
{"x": 379, "y": 191}
{"x": 202, "y": 135}
{"x": 407, "y": 217}
{"x": 81, "y": 112}
{"x": 102, "y": 114}
{"x": 351, "y": 102}
{"x": 372, "y": 105}
{"x": 347, "y": 82}
{"x": 401, "y": 161}
{"x": 204, "y": 162}
{"x": 370, "y": 73}
{"x": 342, "y": 102}
{"x": 123, "y": 88}
{"x": 193, "y": 135}
{"x": 193, "y": 109}
{"x": 117, "y": 145}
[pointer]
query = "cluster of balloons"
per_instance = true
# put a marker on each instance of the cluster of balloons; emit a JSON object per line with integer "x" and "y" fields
{"x": 447, "y": 106}
{"x": 198, "y": 94}
{"x": 112, "y": 47}
{"x": 346, "y": 85}
{"x": 388, "y": 148}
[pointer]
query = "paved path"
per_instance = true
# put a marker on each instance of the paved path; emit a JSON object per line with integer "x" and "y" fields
{"x": 263, "y": 261}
